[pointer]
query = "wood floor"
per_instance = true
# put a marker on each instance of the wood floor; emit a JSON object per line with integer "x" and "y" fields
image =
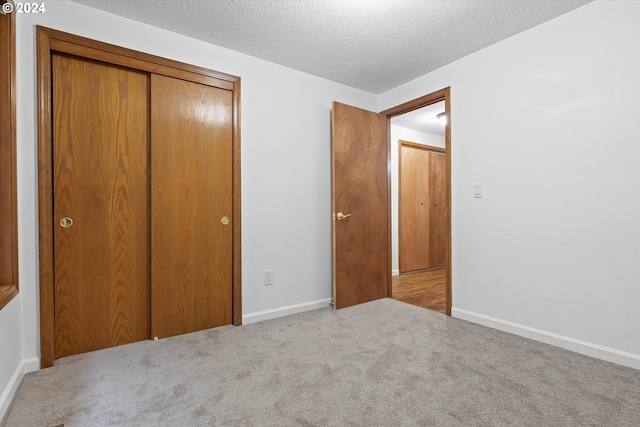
{"x": 424, "y": 288}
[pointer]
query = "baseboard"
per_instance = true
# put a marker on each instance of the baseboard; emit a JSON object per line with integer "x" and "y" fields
{"x": 284, "y": 311}
{"x": 583, "y": 347}
{"x": 395, "y": 272}
{"x": 27, "y": 365}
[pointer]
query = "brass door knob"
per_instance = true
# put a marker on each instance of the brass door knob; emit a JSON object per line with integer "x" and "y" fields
{"x": 224, "y": 220}
{"x": 66, "y": 222}
{"x": 342, "y": 216}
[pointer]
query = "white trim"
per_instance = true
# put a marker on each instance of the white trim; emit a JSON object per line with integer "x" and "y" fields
{"x": 284, "y": 311}
{"x": 583, "y": 347}
{"x": 395, "y": 272}
{"x": 27, "y": 365}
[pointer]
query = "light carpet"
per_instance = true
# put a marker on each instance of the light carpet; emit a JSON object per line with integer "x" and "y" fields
{"x": 383, "y": 363}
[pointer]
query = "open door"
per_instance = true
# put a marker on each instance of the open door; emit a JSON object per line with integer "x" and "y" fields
{"x": 360, "y": 205}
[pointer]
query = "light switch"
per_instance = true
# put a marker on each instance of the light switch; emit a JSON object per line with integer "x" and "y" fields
{"x": 268, "y": 277}
{"x": 477, "y": 191}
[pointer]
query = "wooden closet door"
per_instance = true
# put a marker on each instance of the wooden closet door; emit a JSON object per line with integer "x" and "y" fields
{"x": 101, "y": 182}
{"x": 437, "y": 210}
{"x": 191, "y": 187}
{"x": 421, "y": 209}
{"x": 413, "y": 209}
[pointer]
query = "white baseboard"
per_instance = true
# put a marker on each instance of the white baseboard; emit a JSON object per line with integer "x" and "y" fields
{"x": 583, "y": 347}
{"x": 395, "y": 272}
{"x": 284, "y": 311}
{"x": 27, "y": 365}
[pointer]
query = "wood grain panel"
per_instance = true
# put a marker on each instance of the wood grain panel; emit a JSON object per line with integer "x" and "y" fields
{"x": 406, "y": 178}
{"x": 45, "y": 201}
{"x": 421, "y": 208}
{"x": 360, "y": 188}
{"x": 413, "y": 208}
{"x": 101, "y": 181}
{"x": 191, "y": 189}
{"x": 8, "y": 188}
{"x": 437, "y": 211}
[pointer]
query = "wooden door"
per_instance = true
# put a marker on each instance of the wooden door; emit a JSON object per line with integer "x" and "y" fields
{"x": 413, "y": 208}
{"x": 437, "y": 210}
{"x": 191, "y": 187}
{"x": 360, "y": 191}
{"x": 101, "y": 176}
{"x": 421, "y": 208}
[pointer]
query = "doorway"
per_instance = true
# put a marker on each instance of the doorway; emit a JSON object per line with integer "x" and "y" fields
{"x": 361, "y": 163}
{"x": 419, "y": 138}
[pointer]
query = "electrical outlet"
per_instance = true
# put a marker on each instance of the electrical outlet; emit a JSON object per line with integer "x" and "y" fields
{"x": 268, "y": 277}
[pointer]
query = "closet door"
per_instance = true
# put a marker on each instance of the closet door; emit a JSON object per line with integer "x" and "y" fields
{"x": 191, "y": 201}
{"x": 437, "y": 210}
{"x": 413, "y": 209}
{"x": 421, "y": 207}
{"x": 100, "y": 205}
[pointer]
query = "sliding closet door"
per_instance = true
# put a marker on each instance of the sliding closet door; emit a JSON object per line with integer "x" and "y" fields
{"x": 191, "y": 206}
{"x": 413, "y": 209}
{"x": 100, "y": 204}
{"x": 422, "y": 207}
{"x": 437, "y": 210}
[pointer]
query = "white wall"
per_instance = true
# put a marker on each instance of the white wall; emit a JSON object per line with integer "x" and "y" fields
{"x": 547, "y": 121}
{"x": 11, "y": 355}
{"x": 402, "y": 133}
{"x": 286, "y": 174}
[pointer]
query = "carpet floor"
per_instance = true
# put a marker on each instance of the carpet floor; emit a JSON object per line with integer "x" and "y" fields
{"x": 383, "y": 363}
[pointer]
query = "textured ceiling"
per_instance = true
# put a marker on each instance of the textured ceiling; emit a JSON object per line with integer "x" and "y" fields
{"x": 423, "y": 119}
{"x": 374, "y": 45}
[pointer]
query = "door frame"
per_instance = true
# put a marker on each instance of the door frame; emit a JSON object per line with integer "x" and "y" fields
{"x": 423, "y": 101}
{"x": 50, "y": 41}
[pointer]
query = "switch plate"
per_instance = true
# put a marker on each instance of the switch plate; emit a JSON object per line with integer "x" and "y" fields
{"x": 268, "y": 277}
{"x": 477, "y": 191}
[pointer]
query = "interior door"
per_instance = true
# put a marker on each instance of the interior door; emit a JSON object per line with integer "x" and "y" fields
{"x": 191, "y": 193}
{"x": 101, "y": 205}
{"x": 360, "y": 205}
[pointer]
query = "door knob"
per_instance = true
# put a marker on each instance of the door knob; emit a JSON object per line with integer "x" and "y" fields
{"x": 224, "y": 220}
{"x": 342, "y": 216}
{"x": 66, "y": 222}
